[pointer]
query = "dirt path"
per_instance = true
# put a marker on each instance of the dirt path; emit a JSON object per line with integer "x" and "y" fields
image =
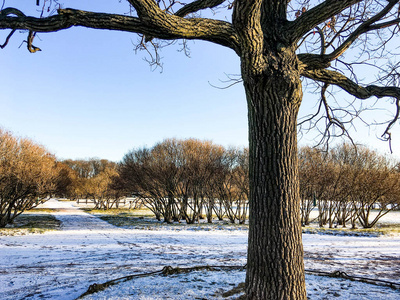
{"x": 73, "y": 218}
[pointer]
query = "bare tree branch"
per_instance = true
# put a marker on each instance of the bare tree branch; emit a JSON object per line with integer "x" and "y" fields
{"x": 7, "y": 39}
{"x": 196, "y": 6}
{"x": 167, "y": 27}
{"x": 188, "y": 9}
{"x": 387, "y": 135}
{"x": 332, "y": 120}
{"x": 31, "y": 47}
{"x": 333, "y": 77}
{"x": 316, "y": 15}
{"x": 313, "y": 61}
{"x": 366, "y": 26}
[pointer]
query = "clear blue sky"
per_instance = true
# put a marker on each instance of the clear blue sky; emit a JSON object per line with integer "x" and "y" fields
{"x": 87, "y": 94}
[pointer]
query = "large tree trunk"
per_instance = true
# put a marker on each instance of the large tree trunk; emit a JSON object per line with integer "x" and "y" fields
{"x": 275, "y": 252}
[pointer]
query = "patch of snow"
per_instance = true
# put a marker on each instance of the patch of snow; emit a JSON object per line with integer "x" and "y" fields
{"x": 63, "y": 264}
{"x": 211, "y": 285}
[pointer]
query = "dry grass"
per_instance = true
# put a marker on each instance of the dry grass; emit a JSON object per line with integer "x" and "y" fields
{"x": 393, "y": 229}
{"x": 31, "y": 223}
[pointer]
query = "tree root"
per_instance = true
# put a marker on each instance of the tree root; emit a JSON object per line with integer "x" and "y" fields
{"x": 166, "y": 271}
{"x": 239, "y": 289}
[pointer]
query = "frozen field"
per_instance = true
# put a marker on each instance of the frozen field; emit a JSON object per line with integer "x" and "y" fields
{"x": 63, "y": 264}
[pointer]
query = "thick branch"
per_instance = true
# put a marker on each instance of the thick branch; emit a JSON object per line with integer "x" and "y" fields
{"x": 246, "y": 20}
{"x": 273, "y": 10}
{"x": 151, "y": 15}
{"x": 384, "y": 24}
{"x": 318, "y": 14}
{"x": 11, "y": 11}
{"x": 7, "y": 39}
{"x": 170, "y": 28}
{"x": 332, "y": 77}
{"x": 247, "y": 14}
{"x": 315, "y": 61}
{"x": 196, "y": 6}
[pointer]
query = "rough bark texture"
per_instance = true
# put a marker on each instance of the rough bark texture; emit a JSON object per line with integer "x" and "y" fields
{"x": 271, "y": 75}
{"x": 275, "y": 254}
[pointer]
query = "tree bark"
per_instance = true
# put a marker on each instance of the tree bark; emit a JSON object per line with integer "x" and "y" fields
{"x": 275, "y": 253}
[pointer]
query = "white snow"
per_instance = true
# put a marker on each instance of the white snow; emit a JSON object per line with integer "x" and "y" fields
{"x": 63, "y": 264}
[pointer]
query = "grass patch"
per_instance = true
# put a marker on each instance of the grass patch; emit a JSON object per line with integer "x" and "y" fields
{"x": 143, "y": 223}
{"x": 122, "y": 212}
{"x": 124, "y": 217}
{"x": 145, "y": 220}
{"x": 127, "y": 220}
{"x": 372, "y": 232}
{"x": 388, "y": 229}
{"x": 31, "y": 224}
{"x": 39, "y": 210}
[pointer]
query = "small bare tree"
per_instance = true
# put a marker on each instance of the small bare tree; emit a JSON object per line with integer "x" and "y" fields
{"x": 28, "y": 174}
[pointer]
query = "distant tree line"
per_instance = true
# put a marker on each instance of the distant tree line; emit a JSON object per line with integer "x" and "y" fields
{"x": 192, "y": 179}
{"x": 90, "y": 180}
{"x": 189, "y": 180}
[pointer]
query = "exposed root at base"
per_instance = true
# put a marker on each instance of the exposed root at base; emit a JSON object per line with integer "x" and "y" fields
{"x": 239, "y": 289}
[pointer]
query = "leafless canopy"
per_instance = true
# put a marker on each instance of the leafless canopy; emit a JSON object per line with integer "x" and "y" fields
{"x": 345, "y": 51}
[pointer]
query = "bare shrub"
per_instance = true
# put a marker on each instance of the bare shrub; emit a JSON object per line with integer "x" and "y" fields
{"x": 27, "y": 176}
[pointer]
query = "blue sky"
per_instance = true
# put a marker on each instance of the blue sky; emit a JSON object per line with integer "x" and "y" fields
{"x": 88, "y": 94}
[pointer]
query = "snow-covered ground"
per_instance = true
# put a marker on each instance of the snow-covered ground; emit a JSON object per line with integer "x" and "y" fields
{"x": 63, "y": 264}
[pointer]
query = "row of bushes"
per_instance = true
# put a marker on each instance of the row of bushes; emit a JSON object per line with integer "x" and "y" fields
{"x": 91, "y": 179}
{"x": 188, "y": 180}
{"x": 346, "y": 184}
{"x": 191, "y": 179}
{"x": 177, "y": 180}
